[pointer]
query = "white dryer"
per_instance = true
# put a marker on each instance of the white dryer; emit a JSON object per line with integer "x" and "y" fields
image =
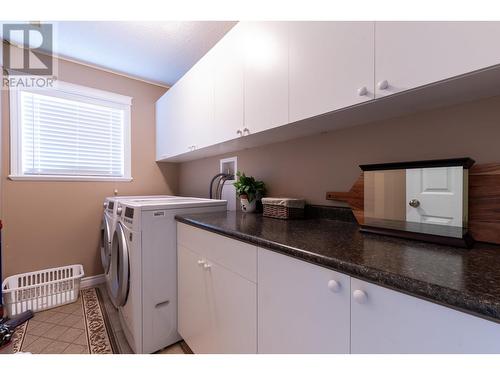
{"x": 108, "y": 225}
{"x": 144, "y": 257}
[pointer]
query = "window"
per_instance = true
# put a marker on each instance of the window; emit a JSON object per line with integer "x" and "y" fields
{"x": 69, "y": 132}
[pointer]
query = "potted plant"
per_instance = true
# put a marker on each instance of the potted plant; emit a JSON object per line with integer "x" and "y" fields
{"x": 249, "y": 190}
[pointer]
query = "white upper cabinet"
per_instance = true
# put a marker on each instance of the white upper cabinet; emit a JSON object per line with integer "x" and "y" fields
{"x": 185, "y": 113}
{"x": 228, "y": 85}
{"x": 163, "y": 113}
{"x": 266, "y": 75}
{"x": 263, "y": 75}
{"x": 331, "y": 66}
{"x": 171, "y": 119}
{"x": 199, "y": 104}
{"x": 412, "y": 54}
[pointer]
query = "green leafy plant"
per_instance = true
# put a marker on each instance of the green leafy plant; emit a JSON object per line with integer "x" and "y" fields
{"x": 249, "y": 187}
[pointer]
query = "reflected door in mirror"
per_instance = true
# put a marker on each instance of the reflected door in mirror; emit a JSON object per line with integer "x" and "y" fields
{"x": 435, "y": 195}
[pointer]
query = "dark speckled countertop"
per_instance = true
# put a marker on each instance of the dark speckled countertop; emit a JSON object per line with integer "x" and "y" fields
{"x": 467, "y": 280}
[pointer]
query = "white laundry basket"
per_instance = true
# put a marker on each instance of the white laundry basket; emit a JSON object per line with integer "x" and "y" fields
{"x": 41, "y": 290}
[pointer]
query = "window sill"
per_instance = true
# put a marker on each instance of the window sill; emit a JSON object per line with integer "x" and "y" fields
{"x": 68, "y": 178}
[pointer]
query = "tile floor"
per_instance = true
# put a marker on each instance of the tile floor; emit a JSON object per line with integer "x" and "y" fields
{"x": 61, "y": 330}
{"x": 57, "y": 331}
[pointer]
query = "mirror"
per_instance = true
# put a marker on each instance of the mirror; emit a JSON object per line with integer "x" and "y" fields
{"x": 425, "y": 200}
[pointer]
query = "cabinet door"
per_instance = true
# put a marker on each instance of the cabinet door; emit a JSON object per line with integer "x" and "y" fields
{"x": 171, "y": 114}
{"x": 329, "y": 63}
{"x": 163, "y": 113}
{"x": 300, "y": 309}
{"x": 385, "y": 321}
{"x": 193, "y": 307}
{"x": 412, "y": 54}
{"x": 217, "y": 311}
{"x": 199, "y": 97}
{"x": 228, "y": 85}
{"x": 232, "y": 304}
{"x": 266, "y": 75}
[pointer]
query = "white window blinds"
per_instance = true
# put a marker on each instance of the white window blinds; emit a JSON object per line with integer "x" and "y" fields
{"x": 71, "y": 137}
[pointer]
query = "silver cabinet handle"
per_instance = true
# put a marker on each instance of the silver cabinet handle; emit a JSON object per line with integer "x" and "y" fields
{"x": 414, "y": 203}
{"x": 239, "y": 132}
{"x": 245, "y": 130}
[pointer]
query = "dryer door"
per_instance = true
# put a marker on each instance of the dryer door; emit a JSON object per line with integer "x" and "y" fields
{"x": 120, "y": 267}
{"x": 105, "y": 243}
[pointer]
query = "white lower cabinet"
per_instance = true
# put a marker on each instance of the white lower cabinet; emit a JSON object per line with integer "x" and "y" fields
{"x": 302, "y": 308}
{"x": 237, "y": 298}
{"x": 217, "y": 307}
{"x": 386, "y": 321}
{"x": 193, "y": 312}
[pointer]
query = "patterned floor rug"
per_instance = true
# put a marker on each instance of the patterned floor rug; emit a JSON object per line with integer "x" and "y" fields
{"x": 81, "y": 327}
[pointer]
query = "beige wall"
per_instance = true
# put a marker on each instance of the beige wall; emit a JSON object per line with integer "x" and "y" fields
{"x": 309, "y": 167}
{"x": 48, "y": 224}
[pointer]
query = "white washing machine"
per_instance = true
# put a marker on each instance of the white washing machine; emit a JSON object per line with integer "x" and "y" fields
{"x": 144, "y": 255}
{"x": 108, "y": 225}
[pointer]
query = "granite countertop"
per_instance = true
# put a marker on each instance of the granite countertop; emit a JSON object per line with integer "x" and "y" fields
{"x": 467, "y": 280}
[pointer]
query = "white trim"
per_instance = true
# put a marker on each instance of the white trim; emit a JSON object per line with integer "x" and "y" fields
{"x": 66, "y": 88}
{"x": 127, "y": 144}
{"x": 92, "y": 93}
{"x": 15, "y": 131}
{"x": 92, "y": 281}
{"x": 75, "y": 92}
{"x": 233, "y": 159}
{"x": 41, "y": 177}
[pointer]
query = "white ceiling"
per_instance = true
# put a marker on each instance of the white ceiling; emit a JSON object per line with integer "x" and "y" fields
{"x": 160, "y": 52}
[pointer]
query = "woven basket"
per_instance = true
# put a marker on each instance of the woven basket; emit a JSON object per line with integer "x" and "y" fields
{"x": 283, "y": 208}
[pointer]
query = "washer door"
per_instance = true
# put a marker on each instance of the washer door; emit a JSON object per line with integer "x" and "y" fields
{"x": 105, "y": 243}
{"x": 120, "y": 267}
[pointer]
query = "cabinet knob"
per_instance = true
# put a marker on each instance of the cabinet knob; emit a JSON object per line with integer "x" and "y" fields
{"x": 201, "y": 262}
{"x": 246, "y": 130}
{"x": 360, "y": 296}
{"x": 334, "y": 286}
{"x": 362, "y": 91}
{"x": 383, "y": 85}
{"x": 206, "y": 266}
{"x": 239, "y": 132}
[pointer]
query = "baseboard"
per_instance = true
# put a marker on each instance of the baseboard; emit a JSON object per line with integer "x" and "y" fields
{"x": 92, "y": 281}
